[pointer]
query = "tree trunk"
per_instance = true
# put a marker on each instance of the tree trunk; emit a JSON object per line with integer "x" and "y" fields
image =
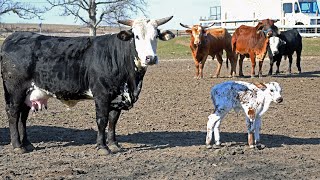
{"x": 92, "y": 31}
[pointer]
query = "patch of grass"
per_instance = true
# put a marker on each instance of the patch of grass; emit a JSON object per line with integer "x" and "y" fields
{"x": 177, "y": 48}
{"x": 310, "y": 47}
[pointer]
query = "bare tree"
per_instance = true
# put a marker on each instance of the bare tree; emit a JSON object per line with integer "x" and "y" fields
{"x": 93, "y": 12}
{"x": 22, "y": 10}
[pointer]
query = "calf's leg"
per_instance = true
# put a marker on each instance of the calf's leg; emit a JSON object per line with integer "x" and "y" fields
{"x": 213, "y": 125}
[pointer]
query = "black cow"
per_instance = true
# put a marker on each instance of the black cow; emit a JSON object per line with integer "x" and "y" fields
{"x": 108, "y": 69}
{"x": 293, "y": 43}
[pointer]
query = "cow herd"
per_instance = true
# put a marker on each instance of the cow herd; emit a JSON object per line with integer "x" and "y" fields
{"x": 109, "y": 70}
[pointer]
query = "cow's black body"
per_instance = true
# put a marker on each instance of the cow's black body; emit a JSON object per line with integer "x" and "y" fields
{"x": 68, "y": 68}
{"x": 293, "y": 44}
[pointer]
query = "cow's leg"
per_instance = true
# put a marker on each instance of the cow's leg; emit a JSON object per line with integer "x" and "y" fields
{"x": 22, "y": 128}
{"x": 13, "y": 114}
{"x": 240, "y": 65}
{"x": 278, "y": 65}
{"x": 298, "y": 53}
{"x": 196, "y": 63}
{"x": 220, "y": 61}
{"x": 253, "y": 64}
{"x": 213, "y": 125}
{"x": 113, "y": 119}
{"x": 201, "y": 66}
{"x": 102, "y": 113}
{"x": 290, "y": 64}
{"x": 260, "y": 68}
{"x": 233, "y": 61}
{"x": 271, "y": 61}
{"x": 13, "y": 110}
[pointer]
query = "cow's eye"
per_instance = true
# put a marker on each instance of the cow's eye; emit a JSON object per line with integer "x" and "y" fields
{"x": 271, "y": 90}
{"x": 137, "y": 37}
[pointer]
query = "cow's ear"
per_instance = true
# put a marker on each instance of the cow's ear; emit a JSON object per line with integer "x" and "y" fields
{"x": 125, "y": 35}
{"x": 189, "y": 31}
{"x": 165, "y": 35}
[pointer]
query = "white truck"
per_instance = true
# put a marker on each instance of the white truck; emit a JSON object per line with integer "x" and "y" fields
{"x": 287, "y": 12}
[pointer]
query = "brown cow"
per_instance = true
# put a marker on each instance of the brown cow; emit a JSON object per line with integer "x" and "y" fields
{"x": 250, "y": 42}
{"x": 211, "y": 42}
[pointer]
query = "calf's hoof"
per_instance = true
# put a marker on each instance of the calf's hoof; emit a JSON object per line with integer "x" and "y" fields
{"x": 208, "y": 146}
{"x": 19, "y": 150}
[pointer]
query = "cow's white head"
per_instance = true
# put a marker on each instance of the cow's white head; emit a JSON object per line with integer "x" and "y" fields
{"x": 197, "y": 32}
{"x": 145, "y": 33}
{"x": 274, "y": 90}
{"x": 274, "y": 44}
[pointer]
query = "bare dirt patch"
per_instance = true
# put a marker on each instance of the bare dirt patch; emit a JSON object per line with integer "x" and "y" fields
{"x": 163, "y": 136}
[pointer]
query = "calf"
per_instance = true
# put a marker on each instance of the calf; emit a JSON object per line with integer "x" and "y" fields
{"x": 204, "y": 42}
{"x": 251, "y": 42}
{"x": 253, "y": 99}
{"x": 291, "y": 41}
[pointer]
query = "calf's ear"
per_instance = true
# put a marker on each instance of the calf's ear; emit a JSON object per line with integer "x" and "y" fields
{"x": 165, "y": 35}
{"x": 125, "y": 35}
{"x": 260, "y": 85}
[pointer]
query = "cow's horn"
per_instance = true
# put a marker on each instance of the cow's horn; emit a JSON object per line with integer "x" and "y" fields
{"x": 126, "y": 22}
{"x": 204, "y": 27}
{"x": 186, "y": 26}
{"x": 163, "y": 20}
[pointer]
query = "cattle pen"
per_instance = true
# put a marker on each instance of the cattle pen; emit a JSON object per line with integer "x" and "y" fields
{"x": 163, "y": 135}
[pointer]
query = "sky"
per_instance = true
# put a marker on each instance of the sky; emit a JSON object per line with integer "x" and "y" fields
{"x": 183, "y": 11}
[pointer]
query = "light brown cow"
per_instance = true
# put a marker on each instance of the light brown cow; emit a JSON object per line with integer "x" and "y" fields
{"x": 250, "y": 42}
{"x": 204, "y": 42}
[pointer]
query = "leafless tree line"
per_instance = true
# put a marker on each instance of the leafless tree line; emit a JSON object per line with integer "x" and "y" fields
{"x": 92, "y": 13}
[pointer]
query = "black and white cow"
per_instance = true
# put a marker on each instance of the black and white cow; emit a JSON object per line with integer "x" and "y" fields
{"x": 291, "y": 42}
{"x": 108, "y": 69}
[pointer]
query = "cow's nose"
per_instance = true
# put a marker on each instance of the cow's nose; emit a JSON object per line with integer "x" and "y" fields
{"x": 279, "y": 100}
{"x": 150, "y": 60}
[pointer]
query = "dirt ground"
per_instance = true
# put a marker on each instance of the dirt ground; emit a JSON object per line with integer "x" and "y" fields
{"x": 163, "y": 136}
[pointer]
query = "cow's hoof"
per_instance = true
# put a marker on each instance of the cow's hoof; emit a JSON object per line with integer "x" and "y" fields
{"x": 251, "y": 146}
{"x": 103, "y": 152}
{"x": 114, "y": 148}
{"x": 208, "y": 146}
{"x": 20, "y": 150}
{"x": 29, "y": 147}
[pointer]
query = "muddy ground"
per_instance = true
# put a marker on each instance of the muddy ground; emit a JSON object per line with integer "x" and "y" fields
{"x": 163, "y": 136}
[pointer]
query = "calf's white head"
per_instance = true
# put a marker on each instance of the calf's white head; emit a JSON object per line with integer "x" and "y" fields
{"x": 145, "y": 33}
{"x": 274, "y": 44}
{"x": 274, "y": 90}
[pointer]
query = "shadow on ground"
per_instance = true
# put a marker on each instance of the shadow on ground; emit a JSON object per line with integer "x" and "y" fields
{"x": 76, "y": 137}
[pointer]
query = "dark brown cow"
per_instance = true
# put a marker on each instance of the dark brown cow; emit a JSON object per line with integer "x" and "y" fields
{"x": 211, "y": 42}
{"x": 250, "y": 42}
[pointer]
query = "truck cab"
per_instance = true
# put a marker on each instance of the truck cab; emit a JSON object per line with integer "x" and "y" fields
{"x": 300, "y": 12}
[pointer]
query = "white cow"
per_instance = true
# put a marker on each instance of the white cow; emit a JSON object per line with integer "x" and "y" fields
{"x": 253, "y": 98}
